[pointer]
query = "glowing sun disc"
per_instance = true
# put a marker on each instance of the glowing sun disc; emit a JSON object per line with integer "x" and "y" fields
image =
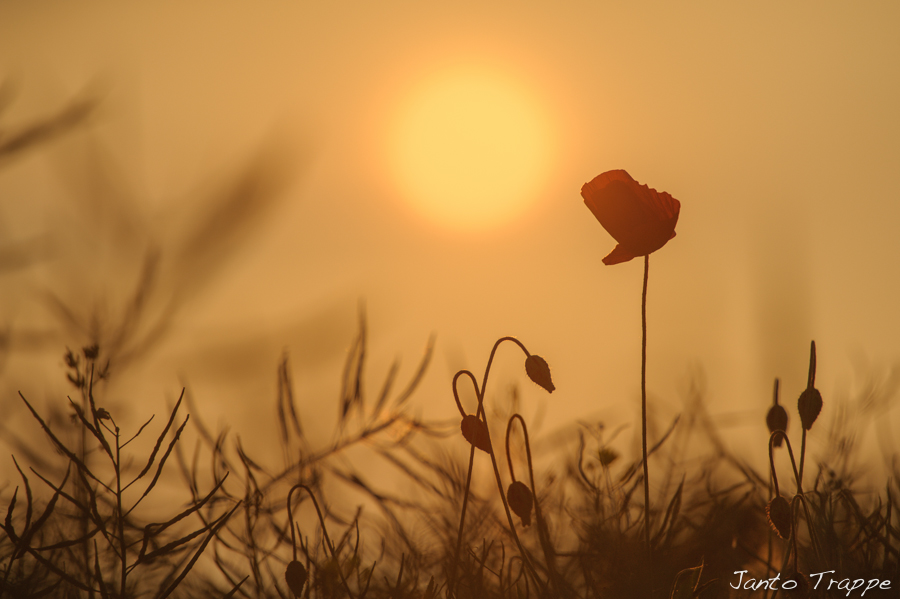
{"x": 470, "y": 150}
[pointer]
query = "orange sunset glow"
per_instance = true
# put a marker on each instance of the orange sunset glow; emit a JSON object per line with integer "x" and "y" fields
{"x": 462, "y": 300}
{"x": 470, "y": 150}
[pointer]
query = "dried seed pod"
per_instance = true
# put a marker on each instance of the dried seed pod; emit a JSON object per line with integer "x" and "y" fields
{"x": 778, "y": 513}
{"x": 295, "y": 576}
{"x": 539, "y": 371}
{"x": 476, "y": 433}
{"x": 809, "y": 405}
{"x": 520, "y": 501}
{"x": 777, "y": 420}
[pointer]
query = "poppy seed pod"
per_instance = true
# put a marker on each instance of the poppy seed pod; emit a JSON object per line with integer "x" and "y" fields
{"x": 777, "y": 420}
{"x": 778, "y": 513}
{"x": 295, "y": 576}
{"x": 520, "y": 501}
{"x": 476, "y": 433}
{"x": 809, "y": 405}
{"x": 639, "y": 218}
{"x": 539, "y": 371}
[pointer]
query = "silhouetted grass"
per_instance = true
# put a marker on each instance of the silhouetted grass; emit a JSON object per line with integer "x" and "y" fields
{"x": 244, "y": 523}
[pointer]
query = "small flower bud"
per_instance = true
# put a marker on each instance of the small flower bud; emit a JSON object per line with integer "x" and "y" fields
{"x": 539, "y": 371}
{"x": 607, "y": 456}
{"x": 295, "y": 576}
{"x": 777, "y": 420}
{"x": 91, "y": 351}
{"x": 520, "y": 501}
{"x": 778, "y": 513}
{"x": 476, "y": 433}
{"x": 809, "y": 405}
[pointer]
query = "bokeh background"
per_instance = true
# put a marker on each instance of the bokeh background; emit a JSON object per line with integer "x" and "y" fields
{"x": 776, "y": 125}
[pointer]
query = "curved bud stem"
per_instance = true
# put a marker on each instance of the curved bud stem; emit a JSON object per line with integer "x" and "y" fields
{"x": 480, "y": 392}
{"x": 490, "y": 362}
{"x": 543, "y": 532}
{"x": 772, "y": 437}
{"x": 456, "y": 393}
{"x": 512, "y": 472}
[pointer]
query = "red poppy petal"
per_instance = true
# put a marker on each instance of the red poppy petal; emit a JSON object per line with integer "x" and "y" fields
{"x": 648, "y": 237}
{"x": 604, "y": 179}
{"x": 639, "y": 218}
{"x": 666, "y": 204}
{"x": 617, "y": 256}
{"x": 617, "y": 207}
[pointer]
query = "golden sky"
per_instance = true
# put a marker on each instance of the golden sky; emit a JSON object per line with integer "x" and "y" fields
{"x": 775, "y": 124}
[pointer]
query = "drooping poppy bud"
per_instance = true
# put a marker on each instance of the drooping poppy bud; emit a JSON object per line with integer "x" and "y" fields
{"x": 777, "y": 420}
{"x": 778, "y": 513}
{"x": 476, "y": 433}
{"x": 638, "y": 217}
{"x": 295, "y": 576}
{"x": 809, "y": 405}
{"x": 539, "y": 371}
{"x": 520, "y": 501}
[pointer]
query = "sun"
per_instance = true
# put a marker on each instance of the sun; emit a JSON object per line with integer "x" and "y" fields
{"x": 470, "y": 149}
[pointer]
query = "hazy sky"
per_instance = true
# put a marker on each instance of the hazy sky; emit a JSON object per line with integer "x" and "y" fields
{"x": 775, "y": 124}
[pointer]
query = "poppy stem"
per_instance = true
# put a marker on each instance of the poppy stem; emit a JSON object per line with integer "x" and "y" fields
{"x": 644, "y": 408}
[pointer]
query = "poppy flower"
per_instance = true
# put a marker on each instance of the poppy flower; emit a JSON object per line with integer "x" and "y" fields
{"x": 638, "y": 217}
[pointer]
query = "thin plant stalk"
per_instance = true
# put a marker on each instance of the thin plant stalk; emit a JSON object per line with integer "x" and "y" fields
{"x": 543, "y": 532}
{"x": 480, "y": 394}
{"x": 644, "y": 409}
{"x": 465, "y": 504}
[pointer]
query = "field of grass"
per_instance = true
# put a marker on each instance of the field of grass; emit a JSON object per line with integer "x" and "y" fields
{"x": 82, "y": 519}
